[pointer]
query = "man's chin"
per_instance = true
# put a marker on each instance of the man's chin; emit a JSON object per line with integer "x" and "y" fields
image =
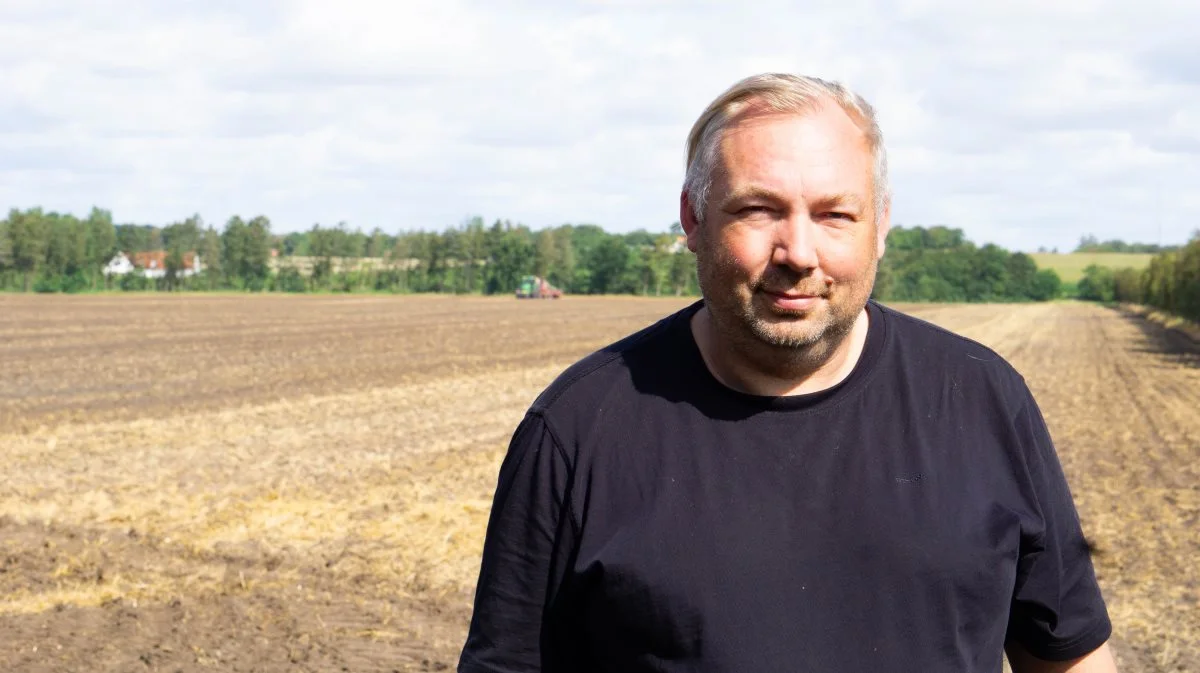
{"x": 790, "y": 328}
{"x": 789, "y": 332}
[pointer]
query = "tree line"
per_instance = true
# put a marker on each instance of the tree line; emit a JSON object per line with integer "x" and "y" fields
{"x": 939, "y": 264}
{"x": 475, "y": 258}
{"x": 1090, "y": 243}
{"x": 1171, "y": 282}
{"x": 53, "y": 252}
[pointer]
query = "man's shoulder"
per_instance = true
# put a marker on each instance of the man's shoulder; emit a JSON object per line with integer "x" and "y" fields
{"x": 929, "y": 349}
{"x": 596, "y": 376}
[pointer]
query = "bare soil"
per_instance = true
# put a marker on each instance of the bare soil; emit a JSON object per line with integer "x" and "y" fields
{"x": 302, "y": 483}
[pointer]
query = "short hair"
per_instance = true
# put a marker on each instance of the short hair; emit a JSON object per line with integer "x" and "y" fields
{"x": 784, "y": 93}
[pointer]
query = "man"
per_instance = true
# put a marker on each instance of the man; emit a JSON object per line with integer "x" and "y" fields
{"x": 786, "y": 476}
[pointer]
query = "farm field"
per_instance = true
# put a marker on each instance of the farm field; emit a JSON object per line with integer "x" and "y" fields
{"x": 1070, "y": 266}
{"x": 267, "y": 483}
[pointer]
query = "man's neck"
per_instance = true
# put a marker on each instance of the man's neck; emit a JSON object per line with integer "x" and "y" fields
{"x": 760, "y": 369}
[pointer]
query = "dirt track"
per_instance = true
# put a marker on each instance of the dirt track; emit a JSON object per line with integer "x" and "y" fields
{"x": 267, "y": 483}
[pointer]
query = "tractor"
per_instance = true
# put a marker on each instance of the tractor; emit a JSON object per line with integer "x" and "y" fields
{"x": 535, "y": 287}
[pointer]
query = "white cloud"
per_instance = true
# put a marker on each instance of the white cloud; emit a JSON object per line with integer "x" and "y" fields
{"x": 1024, "y": 124}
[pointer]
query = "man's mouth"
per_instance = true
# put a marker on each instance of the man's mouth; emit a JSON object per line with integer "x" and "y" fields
{"x": 790, "y": 300}
{"x": 789, "y": 294}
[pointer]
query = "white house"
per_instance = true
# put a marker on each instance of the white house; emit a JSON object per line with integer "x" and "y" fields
{"x": 118, "y": 265}
{"x": 152, "y": 264}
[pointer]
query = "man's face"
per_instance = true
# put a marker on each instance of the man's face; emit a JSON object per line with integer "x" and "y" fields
{"x": 790, "y": 241}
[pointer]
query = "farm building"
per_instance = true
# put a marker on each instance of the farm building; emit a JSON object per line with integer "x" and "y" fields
{"x": 305, "y": 265}
{"x": 151, "y": 264}
{"x": 119, "y": 265}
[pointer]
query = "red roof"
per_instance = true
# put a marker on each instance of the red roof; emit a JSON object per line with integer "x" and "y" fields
{"x": 157, "y": 259}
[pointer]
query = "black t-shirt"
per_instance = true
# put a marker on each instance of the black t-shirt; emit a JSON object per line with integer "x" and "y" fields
{"x": 912, "y": 518}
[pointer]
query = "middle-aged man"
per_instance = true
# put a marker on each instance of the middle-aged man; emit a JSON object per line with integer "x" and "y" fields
{"x": 786, "y": 476}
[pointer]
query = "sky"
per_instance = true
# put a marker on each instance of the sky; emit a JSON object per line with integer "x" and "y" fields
{"x": 1024, "y": 123}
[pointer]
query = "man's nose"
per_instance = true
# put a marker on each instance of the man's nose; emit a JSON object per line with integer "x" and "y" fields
{"x": 795, "y": 243}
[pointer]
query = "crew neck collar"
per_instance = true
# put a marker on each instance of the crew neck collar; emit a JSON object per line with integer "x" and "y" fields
{"x": 876, "y": 333}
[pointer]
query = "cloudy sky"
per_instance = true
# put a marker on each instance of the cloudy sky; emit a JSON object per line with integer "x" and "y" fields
{"x": 1026, "y": 123}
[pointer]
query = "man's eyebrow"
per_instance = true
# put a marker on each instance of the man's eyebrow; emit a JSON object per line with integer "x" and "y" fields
{"x": 843, "y": 200}
{"x": 748, "y": 193}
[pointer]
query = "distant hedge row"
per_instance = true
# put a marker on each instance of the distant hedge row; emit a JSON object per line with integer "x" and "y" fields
{"x": 938, "y": 264}
{"x": 51, "y": 252}
{"x": 1171, "y": 282}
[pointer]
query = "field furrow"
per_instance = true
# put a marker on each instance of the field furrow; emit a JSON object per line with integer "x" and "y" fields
{"x": 280, "y": 483}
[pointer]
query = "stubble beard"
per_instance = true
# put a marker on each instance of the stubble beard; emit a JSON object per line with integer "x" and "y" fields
{"x": 801, "y": 340}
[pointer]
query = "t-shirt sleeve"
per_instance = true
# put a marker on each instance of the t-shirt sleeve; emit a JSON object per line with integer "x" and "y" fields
{"x": 1057, "y": 611}
{"x": 528, "y": 531}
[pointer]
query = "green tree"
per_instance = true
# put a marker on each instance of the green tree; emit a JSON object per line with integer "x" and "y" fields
{"x": 6, "y": 260}
{"x": 681, "y": 274}
{"x": 1187, "y": 278}
{"x": 378, "y": 243}
{"x": 322, "y": 247}
{"x": 133, "y": 238}
{"x": 210, "y": 258}
{"x": 55, "y": 252}
{"x": 1046, "y": 285}
{"x": 939, "y": 264}
{"x": 474, "y": 250}
{"x": 180, "y": 239}
{"x": 66, "y": 250}
{"x": 1097, "y": 284}
{"x": 28, "y": 242}
{"x": 608, "y": 263}
{"x": 510, "y": 256}
{"x": 1021, "y": 275}
{"x": 1127, "y": 285}
{"x": 1172, "y": 281}
{"x": 234, "y": 251}
{"x": 102, "y": 241}
{"x": 1090, "y": 243}
{"x": 545, "y": 252}
{"x": 653, "y": 265}
{"x": 295, "y": 243}
{"x": 566, "y": 257}
{"x": 257, "y": 261}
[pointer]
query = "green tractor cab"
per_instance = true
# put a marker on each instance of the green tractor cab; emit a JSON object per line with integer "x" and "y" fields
{"x": 535, "y": 287}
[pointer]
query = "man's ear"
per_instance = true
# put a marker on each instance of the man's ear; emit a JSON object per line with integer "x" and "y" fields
{"x": 687, "y": 219}
{"x": 883, "y": 224}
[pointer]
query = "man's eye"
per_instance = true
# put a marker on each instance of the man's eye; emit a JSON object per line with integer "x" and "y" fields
{"x": 753, "y": 209}
{"x": 836, "y": 216}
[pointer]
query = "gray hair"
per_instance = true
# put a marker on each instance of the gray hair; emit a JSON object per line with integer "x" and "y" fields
{"x": 778, "y": 93}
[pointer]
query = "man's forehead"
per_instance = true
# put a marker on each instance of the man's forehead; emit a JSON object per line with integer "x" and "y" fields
{"x": 808, "y": 133}
{"x": 823, "y": 150}
{"x": 826, "y": 112}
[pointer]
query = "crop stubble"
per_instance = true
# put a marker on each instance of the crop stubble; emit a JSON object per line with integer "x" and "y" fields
{"x": 273, "y": 483}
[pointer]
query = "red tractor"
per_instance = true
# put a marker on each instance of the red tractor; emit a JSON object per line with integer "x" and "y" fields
{"x": 535, "y": 287}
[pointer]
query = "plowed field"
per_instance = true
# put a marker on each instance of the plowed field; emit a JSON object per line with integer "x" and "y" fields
{"x": 302, "y": 483}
